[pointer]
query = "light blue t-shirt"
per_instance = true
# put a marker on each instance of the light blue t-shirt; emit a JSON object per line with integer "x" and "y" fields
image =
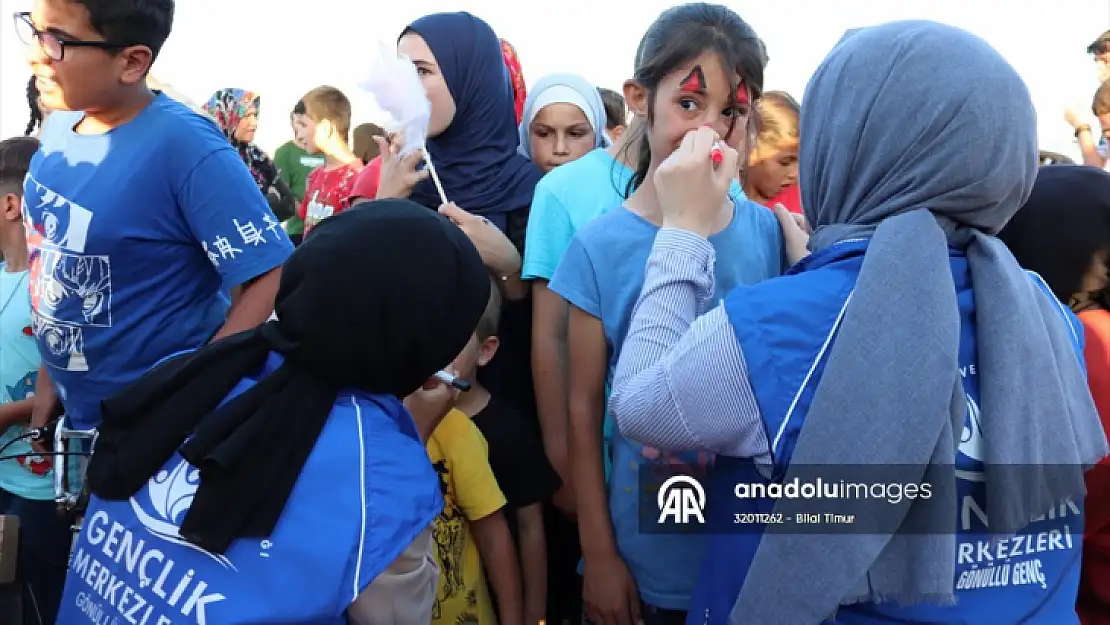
{"x": 135, "y": 237}
{"x": 566, "y": 199}
{"x": 602, "y": 273}
{"x": 27, "y": 476}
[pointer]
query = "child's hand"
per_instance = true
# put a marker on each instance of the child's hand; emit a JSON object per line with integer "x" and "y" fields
{"x": 399, "y": 175}
{"x": 795, "y": 233}
{"x": 430, "y": 403}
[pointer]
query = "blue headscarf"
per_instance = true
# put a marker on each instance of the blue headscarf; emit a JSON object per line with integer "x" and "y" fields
{"x": 476, "y": 156}
{"x": 571, "y": 89}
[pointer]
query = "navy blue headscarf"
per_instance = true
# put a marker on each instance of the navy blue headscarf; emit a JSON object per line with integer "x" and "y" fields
{"x": 476, "y": 156}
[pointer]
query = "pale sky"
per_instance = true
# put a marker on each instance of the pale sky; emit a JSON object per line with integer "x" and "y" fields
{"x": 283, "y": 49}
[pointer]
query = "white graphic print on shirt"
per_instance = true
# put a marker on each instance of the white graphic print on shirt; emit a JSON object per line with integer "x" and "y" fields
{"x": 70, "y": 290}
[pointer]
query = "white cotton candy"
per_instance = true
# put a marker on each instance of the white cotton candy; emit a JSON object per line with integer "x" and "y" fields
{"x": 396, "y": 87}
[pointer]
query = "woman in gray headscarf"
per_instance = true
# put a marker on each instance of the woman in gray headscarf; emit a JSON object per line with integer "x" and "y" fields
{"x": 906, "y": 371}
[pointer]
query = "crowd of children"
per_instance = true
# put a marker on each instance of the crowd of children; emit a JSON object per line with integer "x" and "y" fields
{"x": 589, "y": 380}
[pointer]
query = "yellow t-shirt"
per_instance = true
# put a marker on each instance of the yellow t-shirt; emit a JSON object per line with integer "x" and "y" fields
{"x": 470, "y": 493}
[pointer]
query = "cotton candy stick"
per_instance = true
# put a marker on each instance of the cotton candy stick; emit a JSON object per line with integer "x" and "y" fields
{"x": 435, "y": 176}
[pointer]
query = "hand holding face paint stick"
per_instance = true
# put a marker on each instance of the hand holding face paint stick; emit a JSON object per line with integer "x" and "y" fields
{"x": 692, "y": 187}
{"x": 716, "y": 154}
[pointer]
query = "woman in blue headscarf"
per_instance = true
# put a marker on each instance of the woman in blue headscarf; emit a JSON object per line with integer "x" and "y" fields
{"x": 472, "y": 134}
{"x": 927, "y": 366}
{"x": 563, "y": 120}
{"x": 472, "y": 142}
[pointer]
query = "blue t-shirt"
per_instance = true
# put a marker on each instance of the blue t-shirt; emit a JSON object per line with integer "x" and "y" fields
{"x": 135, "y": 237}
{"x": 364, "y": 494}
{"x": 602, "y": 274}
{"x": 28, "y": 476}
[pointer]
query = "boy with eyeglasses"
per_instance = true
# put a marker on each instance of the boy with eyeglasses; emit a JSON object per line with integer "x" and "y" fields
{"x": 140, "y": 215}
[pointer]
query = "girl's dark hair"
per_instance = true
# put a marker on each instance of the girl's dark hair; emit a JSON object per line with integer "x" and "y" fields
{"x": 33, "y": 103}
{"x": 679, "y": 35}
{"x": 1065, "y": 222}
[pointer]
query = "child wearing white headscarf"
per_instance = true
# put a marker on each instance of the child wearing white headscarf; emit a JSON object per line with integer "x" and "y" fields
{"x": 563, "y": 120}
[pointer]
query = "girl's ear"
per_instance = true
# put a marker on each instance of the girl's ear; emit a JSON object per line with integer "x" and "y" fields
{"x": 636, "y": 96}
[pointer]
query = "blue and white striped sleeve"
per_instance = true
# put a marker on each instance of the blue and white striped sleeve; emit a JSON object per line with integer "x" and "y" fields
{"x": 681, "y": 382}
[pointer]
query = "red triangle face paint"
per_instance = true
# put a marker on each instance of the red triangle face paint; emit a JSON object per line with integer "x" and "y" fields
{"x": 742, "y": 97}
{"x": 694, "y": 81}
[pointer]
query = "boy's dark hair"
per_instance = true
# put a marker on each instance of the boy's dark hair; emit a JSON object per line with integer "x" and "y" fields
{"x": 491, "y": 318}
{"x": 679, "y": 35}
{"x": 15, "y": 160}
{"x": 1100, "y": 45}
{"x": 1101, "y": 104}
{"x": 131, "y": 22}
{"x": 298, "y": 108}
{"x": 329, "y": 104}
{"x": 616, "y": 111}
{"x": 33, "y": 104}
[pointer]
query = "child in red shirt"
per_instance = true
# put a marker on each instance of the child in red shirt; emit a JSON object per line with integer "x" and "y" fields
{"x": 772, "y": 174}
{"x": 323, "y": 122}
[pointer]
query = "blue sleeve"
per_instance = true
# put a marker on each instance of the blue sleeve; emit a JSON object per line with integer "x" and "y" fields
{"x": 231, "y": 220}
{"x": 576, "y": 281}
{"x": 549, "y": 233}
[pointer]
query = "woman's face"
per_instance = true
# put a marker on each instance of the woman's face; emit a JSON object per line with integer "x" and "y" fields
{"x": 768, "y": 176}
{"x": 694, "y": 95}
{"x": 560, "y": 133}
{"x": 413, "y": 46}
{"x": 248, "y": 125}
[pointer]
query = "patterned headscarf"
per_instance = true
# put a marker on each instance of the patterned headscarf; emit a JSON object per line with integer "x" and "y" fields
{"x": 520, "y": 90}
{"x": 227, "y": 107}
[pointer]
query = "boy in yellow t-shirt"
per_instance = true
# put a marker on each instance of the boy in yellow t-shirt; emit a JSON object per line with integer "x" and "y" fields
{"x": 471, "y": 531}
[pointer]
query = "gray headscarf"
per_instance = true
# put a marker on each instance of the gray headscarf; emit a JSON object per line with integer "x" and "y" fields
{"x": 563, "y": 88}
{"x": 921, "y": 135}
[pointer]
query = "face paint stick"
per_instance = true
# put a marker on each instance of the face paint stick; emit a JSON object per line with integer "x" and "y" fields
{"x": 451, "y": 380}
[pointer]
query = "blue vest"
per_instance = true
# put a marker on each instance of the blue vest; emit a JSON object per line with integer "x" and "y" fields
{"x": 782, "y": 326}
{"x": 364, "y": 494}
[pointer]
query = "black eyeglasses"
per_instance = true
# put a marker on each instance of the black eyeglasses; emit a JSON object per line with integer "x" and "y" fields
{"x": 54, "y": 45}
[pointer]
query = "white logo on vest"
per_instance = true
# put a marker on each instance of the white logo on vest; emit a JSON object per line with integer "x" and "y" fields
{"x": 681, "y": 497}
{"x": 170, "y": 495}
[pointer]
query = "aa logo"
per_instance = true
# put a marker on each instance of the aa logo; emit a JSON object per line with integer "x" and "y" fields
{"x": 680, "y": 498}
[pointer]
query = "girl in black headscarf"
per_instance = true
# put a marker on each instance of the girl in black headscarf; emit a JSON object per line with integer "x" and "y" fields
{"x": 278, "y": 467}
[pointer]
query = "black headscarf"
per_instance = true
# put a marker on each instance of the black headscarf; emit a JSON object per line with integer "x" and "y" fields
{"x": 1066, "y": 220}
{"x": 377, "y": 300}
